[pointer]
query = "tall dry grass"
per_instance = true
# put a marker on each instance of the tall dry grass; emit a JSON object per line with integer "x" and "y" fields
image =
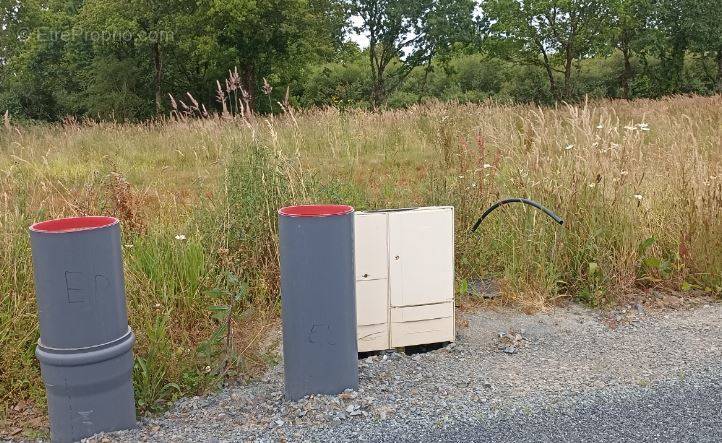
{"x": 638, "y": 183}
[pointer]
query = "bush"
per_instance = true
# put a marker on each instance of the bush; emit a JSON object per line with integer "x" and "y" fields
{"x": 337, "y": 84}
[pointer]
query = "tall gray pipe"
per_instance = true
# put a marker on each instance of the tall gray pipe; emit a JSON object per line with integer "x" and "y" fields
{"x": 319, "y": 301}
{"x": 85, "y": 341}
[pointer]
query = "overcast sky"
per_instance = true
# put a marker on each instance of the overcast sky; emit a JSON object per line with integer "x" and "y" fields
{"x": 360, "y": 39}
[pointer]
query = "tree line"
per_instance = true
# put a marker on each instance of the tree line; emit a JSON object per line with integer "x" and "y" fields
{"x": 133, "y": 59}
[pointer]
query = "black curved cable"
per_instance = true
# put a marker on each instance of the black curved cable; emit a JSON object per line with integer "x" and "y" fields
{"x": 517, "y": 200}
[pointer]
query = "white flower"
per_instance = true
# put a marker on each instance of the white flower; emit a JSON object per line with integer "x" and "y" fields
{"x": 591, "y": 185}
{"x": 600, "y": 126}
{"x": 487, "y": 166}
{"x": 568, "y": 147}
{"x": 638, "y": 197}
{"x": 624, "y": 173}
{"x": 643, "y": 126}
{"x": 461, "y": 176}
{"x": 157, "y": 305}
{"x": 180, "y": 237}
{"x": 128, "y": 245}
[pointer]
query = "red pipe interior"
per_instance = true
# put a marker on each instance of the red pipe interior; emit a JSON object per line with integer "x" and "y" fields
{"x": 73, "y": 224}
{"x": 315, "y": 210}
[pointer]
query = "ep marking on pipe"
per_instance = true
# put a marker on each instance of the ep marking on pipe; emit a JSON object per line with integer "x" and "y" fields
{"x": 76, "y": 286}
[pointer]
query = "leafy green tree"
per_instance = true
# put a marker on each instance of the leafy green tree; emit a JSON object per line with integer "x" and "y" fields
{"x": 16, "y": 20}
{"x": 671, "y": 39}
{"x": 548, "y": 33}
{"x": 412, "y": 32}
{"x": 140, "y": 29}
{"x": 629, "y": 27}
{"x": 110, "y": 59}
{"x": 705, "y": 29}
{"x": 274, "y": 39}
{"x": 35, "y": 78}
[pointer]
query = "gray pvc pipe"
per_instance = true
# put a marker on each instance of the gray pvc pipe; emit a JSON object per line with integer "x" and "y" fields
{"x": 319, "y": 301}
{"x": 85, "y": 346}
{"x": 79, "y": 283}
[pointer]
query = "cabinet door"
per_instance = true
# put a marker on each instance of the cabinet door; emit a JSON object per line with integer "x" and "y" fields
{"x": 372, "y": 302}
{"x": 421, "y": 256}
{"x": 371, "y": 248}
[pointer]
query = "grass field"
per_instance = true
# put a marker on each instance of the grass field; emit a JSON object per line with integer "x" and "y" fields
{"x": 638, "y": 183}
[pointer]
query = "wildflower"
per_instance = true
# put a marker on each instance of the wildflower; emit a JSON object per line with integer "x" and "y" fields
{"x": 180, "y": 237}
{"x": 638, "y": 197}
{"x": 129, "y": 245}
{"x": 624, "y": 173}
{"x": 487, "y": 166}
{"x": 157, "y": 305}
{"x": 568, "y": 147}
{"x": 643, "y": 126}
{"x": 461, "y": 176}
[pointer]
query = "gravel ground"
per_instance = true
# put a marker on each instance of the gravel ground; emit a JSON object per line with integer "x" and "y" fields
{"x": 562, "y": 375}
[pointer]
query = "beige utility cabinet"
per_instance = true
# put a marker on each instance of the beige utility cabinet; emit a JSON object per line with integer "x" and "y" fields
{"x": 404, "y": 277}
